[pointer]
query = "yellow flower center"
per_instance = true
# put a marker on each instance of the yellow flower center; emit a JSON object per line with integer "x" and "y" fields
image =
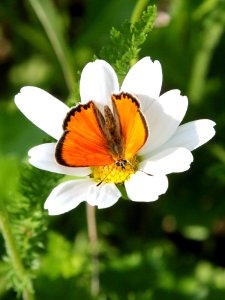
{"x": 117, "y": 172}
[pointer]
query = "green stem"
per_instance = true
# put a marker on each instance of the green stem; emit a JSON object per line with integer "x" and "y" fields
{"x": 210, "y": 37}
{"x": 93, "y": 238}
{"x": 14, "y": 254}
{"x": 138, "y": 9}
{"x": 219, "y": 152}
{"x": 47, "y": 14}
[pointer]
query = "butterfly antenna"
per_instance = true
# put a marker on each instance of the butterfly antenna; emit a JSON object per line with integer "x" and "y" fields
{"x": 145, "y": 173}
{"x": 138, "y": 170}
{"x": 104, "y": 177}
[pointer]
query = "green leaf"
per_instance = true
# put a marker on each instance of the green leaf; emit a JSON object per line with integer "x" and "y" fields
{"x": 125, "y": 45}
{"x": 66, "y": 262}
{"x": 26, "y": 217}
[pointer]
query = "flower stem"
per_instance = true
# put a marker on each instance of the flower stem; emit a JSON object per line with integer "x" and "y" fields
{"x": 210, "y": 37}
{"x": 14, "y": 254}
{"x": 138, "y": 9}
{"x": 93, "y": 238}
{"x": 50, "y": 21}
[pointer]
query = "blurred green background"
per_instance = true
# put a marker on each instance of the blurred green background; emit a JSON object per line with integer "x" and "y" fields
{"x": 171, "y": 249}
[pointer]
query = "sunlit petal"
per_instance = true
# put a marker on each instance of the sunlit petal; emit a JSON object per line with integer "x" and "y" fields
{"x": 192, "y": 135}
{"x": 163, "y": 118}
{"x": 144, "y": 78}
{"x": 170, "y": 160}
{"x": 70, "y": 194}
{"x": 44, "y": 110}
{"x": 67, "y": 195}
{"x": 104, "y": 195}
{"x": 98, "y": 82}
{"x": 145, "y": 188}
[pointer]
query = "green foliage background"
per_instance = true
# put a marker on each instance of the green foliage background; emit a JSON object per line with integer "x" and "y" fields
{"x": 171, "y": 249}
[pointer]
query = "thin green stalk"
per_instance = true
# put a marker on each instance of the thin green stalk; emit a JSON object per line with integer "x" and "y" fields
{"x": 47, "y": 15}
{"x": 138, "y": 10}
{"x": 93, "y": 238}
{"x": 210, "y": 37}
{"x": 219, "y": 152}
{"x": 14, "y": 254}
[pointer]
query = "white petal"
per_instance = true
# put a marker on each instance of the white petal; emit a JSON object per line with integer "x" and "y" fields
{"x": 192, "y": 135}
{"x": 104, "y": 195}
{"x": 43, "y": 157}
{"x": 145, "y": 188}
{"x": 172, "y": 160}
{"x": 144, "y": 78}
{"x": 70, "y": 194}
{"x": 163, "y": 118}
{"x": 67, "y": 195}
{"x": 44, "y": 110}
{"x": 98, "y": 82}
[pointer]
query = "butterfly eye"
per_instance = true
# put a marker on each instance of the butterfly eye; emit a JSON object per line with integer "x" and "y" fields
{"x": 121, "y": 163}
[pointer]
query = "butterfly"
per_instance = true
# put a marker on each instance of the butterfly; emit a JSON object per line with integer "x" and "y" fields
{"x": 93, "y": 138}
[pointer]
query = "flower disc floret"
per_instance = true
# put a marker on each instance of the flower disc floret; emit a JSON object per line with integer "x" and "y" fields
{"x": 115, "y": 173}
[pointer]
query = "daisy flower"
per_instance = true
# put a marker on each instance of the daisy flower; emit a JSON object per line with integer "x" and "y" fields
{"x": 127, "y": 135}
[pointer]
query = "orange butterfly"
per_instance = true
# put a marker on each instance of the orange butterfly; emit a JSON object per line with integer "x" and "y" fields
{"x": 93, "y": 139}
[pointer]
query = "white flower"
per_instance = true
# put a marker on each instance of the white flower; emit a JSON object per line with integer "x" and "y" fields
{"x": 167, "y": 149}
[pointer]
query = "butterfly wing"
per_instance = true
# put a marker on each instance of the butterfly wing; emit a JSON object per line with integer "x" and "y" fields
{"x": 133, "y": 125}
{"x": 83, "y": 142}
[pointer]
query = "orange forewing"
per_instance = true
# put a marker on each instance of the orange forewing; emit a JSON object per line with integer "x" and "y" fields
{"x": 132, "y": 122}
{"x": 83, "y": 142}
